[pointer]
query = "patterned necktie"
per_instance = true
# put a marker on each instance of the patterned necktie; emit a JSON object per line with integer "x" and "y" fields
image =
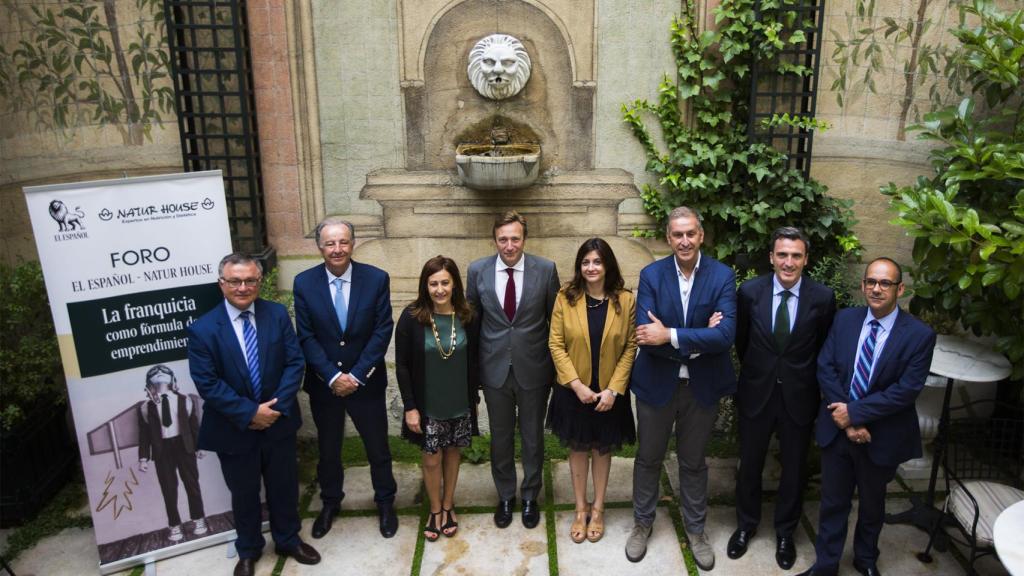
{"x": 165, "y": 411}
{"x": 781, "y": 331}
{"x": 510, "y": 295}
{"x": 340, "y": 306}
{"x": 252, "y": 354}
{"x": 866, "y": 358}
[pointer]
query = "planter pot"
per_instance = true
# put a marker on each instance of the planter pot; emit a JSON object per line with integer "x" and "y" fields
{"x": 37, "y": 458}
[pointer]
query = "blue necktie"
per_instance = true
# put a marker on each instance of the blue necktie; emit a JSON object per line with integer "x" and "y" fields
{"x": 866, "y": 358}
{"x": 340, "y": 306}
{"x": 252, "y": 354}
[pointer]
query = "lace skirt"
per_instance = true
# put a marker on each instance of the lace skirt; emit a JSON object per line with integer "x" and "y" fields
{"x": 440, "y": 434}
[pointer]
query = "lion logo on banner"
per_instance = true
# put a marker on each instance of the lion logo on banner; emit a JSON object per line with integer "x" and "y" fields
{"x": 499, "y": 66}
{"x": 66, "y": 219}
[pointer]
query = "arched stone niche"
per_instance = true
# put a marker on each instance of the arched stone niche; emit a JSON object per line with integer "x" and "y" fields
{"x": 443, "y": 106}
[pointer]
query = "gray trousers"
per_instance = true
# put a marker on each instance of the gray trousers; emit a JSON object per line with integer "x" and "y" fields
{"x": 693, "y": 424}
{"x": 502, "y": 405}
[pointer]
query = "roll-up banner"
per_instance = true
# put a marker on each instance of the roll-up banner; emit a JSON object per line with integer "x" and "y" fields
{"x": 128, "y": 265}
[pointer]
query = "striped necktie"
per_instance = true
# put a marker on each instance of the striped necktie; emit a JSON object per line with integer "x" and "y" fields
{"x": 252, "y": 354}
{"x": 866, "y": 358}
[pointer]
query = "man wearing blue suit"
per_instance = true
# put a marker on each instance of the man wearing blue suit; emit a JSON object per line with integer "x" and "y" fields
{"x": 871, "y": 369}
{"x": 246, "y": 364}
{"x": 686, "y": 323}
{"x": 343, "y": 317}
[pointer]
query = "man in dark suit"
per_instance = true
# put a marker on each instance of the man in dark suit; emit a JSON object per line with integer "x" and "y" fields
{"x": 246, "y": 364}
{"x": 514, "y": 293}
{"x": 782, "y": 320}
{"x": 686, "y": 322}
{"x": 343, "y": 317}
{"x": 871, "y": 369}
{"x": 167, "y": 438}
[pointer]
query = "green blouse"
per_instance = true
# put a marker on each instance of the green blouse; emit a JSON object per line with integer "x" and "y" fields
{"x": 445, "y": 380}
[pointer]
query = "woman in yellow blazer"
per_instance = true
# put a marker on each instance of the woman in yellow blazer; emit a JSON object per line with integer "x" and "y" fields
{"x": 593, "y": 344}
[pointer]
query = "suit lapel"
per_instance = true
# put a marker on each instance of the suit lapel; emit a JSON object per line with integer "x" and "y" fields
{"x": 611, "y": 316}
{"x": 892, "y": 343}
{"x": 696, "y": 290}
{"x": 323, "y": 294}
{"x": 262, "y": 338}
{"x": 580, "y": 309}
{"x": 489, "y": 291}
{"x": 227, "y": 334}
{"x": 765, "y": 309}
{"x": 670, "y": 278}
{"x": 354, "y": 294}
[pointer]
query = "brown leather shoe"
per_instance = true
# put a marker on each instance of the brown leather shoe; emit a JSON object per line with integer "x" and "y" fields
{"x": 246, "y": 567}
{"x": 303, "y": 553}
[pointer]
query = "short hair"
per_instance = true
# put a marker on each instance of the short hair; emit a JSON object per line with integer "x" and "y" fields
{"x": 333, "y": 221}
{"x": 238, "y": 258}
{"x": 790, "y": 233}
{"x": 684, "y": 212}
{"x": 161, "y": 369}
{"x": 509, "y": 217}
{"x": 899, "y": 269}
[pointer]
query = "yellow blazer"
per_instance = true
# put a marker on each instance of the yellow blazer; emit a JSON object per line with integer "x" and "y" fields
{"x": 569, "y": 341}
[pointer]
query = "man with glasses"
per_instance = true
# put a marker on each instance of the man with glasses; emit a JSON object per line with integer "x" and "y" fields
{"x": 343, "y": 317}
{"x": 247, "y": 365}
{"x": 871, "y": 369}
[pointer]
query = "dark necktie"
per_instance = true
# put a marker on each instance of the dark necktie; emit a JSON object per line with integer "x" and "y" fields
{"x": 165, "y": 411}
{"x": 252, "y": 355}
{"x": 510, "y": 295}
{"x": 781, "y": 331}
{"x": 866, "y": 358}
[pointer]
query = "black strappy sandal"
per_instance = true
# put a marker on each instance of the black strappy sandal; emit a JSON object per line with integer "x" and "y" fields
{"x": 430, "y": 531}
{"x": 449, "y": 523}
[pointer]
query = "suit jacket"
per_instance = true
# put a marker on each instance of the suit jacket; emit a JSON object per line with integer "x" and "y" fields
{"x": 523, "y": 342}
{"x": 360, "y": 350}
{"x": 761, "y": 365}
{"x": 656, "y": 369}
{"x": 410, "y": 368}
{"x": 899, "y": 373}
{"x": 221, "y": 375}
{"x": 570, "y": 342}
{"x": 150, "y": 437}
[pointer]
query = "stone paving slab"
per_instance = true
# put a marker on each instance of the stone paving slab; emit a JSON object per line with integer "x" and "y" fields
{"x": 760, "y": 557}
{"x": 355, "y": 547}
{"x": 482, "y": 548}
{"x": 620, "y": 482}
{"x": 608, "y": 556}
{"x": 359, "y": 488}
{"x": 476, "y": 486}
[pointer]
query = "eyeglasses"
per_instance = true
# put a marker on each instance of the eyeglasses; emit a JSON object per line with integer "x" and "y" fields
{"x": 883, "y": 284}
{"x": 236, "y": 283}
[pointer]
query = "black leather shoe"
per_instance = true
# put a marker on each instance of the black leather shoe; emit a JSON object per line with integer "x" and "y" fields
{"x": 323, "y": 522}
{"x": 388, "y": 519}
{"x": 785, "y": 552}
{"x": 531, "y": 513}
{"x": 738, "y": 543}
{"x": 303, "y": 553}
{"x": 246, "y": 567}
{"x": 818, "y": 572}
{"x": 503, "y": 513}
{"x": 866, "y": 570}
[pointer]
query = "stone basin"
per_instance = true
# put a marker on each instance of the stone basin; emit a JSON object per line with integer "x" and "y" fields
{"x": 498, "y": 166}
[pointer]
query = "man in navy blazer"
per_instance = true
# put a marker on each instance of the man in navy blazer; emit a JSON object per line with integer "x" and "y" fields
{"x": 686, "y": 322}
{"x": 343, "y": 317}
{"x": 246, "y": 364}
{"x": 871, "y": 369}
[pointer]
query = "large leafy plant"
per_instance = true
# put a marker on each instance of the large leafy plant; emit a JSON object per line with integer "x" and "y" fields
{"x": 705, "y": 158}
{"x": 967, "y": 219}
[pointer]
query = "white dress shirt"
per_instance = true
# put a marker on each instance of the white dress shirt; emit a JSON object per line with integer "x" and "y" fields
{"x": 791, "y": 304}
{"x": 501, "y": 278}
{"x": 685, "y": 286}
{"x": 886, "y": 322}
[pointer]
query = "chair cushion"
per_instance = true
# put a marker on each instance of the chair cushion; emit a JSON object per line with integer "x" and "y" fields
{"x": 992, "y": 499}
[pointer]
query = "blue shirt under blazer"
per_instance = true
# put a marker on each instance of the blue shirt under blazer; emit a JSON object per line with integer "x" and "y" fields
{"x": 656, "y": 369}
{"x": 897, "y": 378}
{"x": 221, "y": 375}
{"x": 360, "y": 350}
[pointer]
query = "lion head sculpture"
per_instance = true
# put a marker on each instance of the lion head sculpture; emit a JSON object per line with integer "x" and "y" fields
{"x": 499, "y": 66}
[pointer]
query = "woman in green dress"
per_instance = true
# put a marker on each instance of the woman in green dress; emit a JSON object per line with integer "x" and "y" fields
{"x": 437, "y": 371}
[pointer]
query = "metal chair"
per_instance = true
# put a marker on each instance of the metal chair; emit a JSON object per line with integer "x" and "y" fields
{"x": 982, "y": 464}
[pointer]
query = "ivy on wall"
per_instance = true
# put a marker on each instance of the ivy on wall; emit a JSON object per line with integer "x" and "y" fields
{"x": 71, "y": 67}
{"x": 705, "y": 160}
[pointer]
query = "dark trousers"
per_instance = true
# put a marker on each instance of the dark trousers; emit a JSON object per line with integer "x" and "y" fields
{"x": 273, "y": 462}
{"x": 369, "y": 415}
{"x": 174, "y": 461}
{"x": 794, "y": 443}
{"x": 503, "y": 404}
{"x": 845, "y": 466}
